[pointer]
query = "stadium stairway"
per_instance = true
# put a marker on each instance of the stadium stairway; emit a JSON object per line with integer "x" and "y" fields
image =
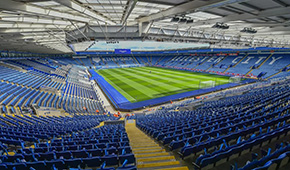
{"x": 82, "y": 62}
{"x": 151, "y": 60}
{"x": 274, "y": 75}
{"x": 115, "y": 61}
{"x": 217, "y": 62}
{"x": 91, "y": 61}
{"x": 137, "y": 62}
{"x": 202, "y": 62}
{"x": 102, "y": 60}
{"x": 189, "y": 63}
{"x": 159, "y": 60}
{"x": 149, "y": 155}
{"x": 249, "y": 71}
{"x": 148, "y": 59}
{"x": 77, "y": 61}
{"x": 280, "y": 71}
{"x": 141, "y": 59}
{"x": 169, "y": 59}
{"x": 265, "y": 60}
{"x": 237, "y": 62}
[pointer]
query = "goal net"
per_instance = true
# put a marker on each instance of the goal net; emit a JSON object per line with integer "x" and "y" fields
{"x": 235, "y": 79}
{"x": 206, "y": 84}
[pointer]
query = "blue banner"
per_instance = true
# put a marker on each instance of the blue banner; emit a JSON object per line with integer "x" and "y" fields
{"x": 122, "y": 51}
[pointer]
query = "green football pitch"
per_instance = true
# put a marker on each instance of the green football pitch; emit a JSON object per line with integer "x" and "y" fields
{"x": 144, "y": 83}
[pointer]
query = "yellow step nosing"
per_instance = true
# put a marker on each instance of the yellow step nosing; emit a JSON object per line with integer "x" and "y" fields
{"x": 151, "y": 155}
{"x": 138, "y": 142}
{"x": 149, "y": 151}
{"x": 155, "y": 159}
{"x": 176, "y": 168}
{"x": 11, "y": 153}
{"x": 147, "y": 144}
{"x": 142, "y": 146}
{"x": 158, "y": 164}
{"x": 146, "y": 148}
{"x": 141, "y": 141}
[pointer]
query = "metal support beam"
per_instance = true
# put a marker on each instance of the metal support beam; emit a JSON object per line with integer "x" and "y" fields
{"x": 144, "y": 27}
{"x": 84, "y": 10}
{"x": 130, "y": 6}
{"x": 146, "y": 30}
{"x": 33, "y": 19}
{"x": 281, "y": 3}
{"x": 79, "y": 30}
{"x": 245, "y": 16}
{"x": 189, "y": 7}
{"x": 251, "y": 6}
{"x": 23, "y": 30}
{"x": 65, "y": 33}
{"x": 19, "y": 6}
{"x": 61, "y": 41}
{"x": 14, "y": 25}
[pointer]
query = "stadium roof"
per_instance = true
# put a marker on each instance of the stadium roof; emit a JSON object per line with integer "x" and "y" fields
{"x": 51, "y": 25}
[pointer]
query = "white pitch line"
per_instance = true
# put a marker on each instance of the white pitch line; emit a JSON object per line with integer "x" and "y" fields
{"x": 117, "y": 87}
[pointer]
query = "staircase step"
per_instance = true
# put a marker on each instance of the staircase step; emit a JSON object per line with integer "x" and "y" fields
{"x": 151, "y": 155}
{"x": 175, "y": 168}
{"x": 164, "y": 167}
{"x": 143, "y": 146}
{"x": 156, "y": 161}
{"x": 160, "y": 158}
{"x": 146, "y": 148}
{"x": 141, "y": 142}
{"x": 157, "y": 164}
{"x": 149, "y": 151}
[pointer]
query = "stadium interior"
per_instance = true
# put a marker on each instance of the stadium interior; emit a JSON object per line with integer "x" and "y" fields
{"x": 144, "y": 84}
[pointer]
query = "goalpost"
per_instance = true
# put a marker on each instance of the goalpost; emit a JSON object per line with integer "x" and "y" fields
{"x": 207, "y": 84}
{"x": 235, "y": 79}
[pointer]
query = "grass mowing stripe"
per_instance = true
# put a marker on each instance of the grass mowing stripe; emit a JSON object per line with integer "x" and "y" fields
{"x": 153, "y": 79}
{"x": 199, "y": 76}
{"x": 172, "y": 76}
{"x": 149, "y": 87}
{"x": 177, "y": 75}
{"x": 149, "y": 81}
{"x": 125, "y": 94}
{"x": 124, "y": 87}
{"x": 181, "y": 80}
{"x": 146, "y": 92}
{"x": 115, "y": 76}
{"x": 135, "y": 93}
{"x": 179, "y": 72}
{"x": 186, "y": 73}
{"x": 172, "y": 80}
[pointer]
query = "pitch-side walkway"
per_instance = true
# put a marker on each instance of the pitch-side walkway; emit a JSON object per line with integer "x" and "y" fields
{"x": 149, "y": 155}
